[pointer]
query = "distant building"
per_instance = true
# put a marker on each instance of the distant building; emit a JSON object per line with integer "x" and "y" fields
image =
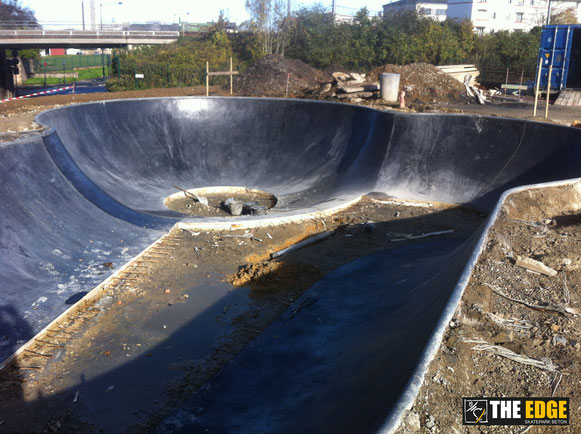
{"x": 486, "y": 15}
{"x": 493, "y": 15}
{"x": 56, "y": 51}
{"x": 204, "y": 27}
{"x": 435, "y": 9}
{"x": 343, "y": 19}
{"x": 151, "y": 26}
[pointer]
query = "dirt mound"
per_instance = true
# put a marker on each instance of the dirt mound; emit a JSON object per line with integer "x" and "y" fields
{"x": 268, "y": 77}
{"x": 424, "y": 83}
{"x": 273, "y": 275}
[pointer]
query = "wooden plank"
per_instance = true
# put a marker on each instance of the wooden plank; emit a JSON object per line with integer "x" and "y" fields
{"x": 577, "y": 99}
{"x": 565, "y": 98}
{"x": 561, "y": 99}
{"x": 513, "y": 86}
{"x": 224, "y": 73}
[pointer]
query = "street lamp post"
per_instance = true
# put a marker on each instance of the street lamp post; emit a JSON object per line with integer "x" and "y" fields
{"x": 101, "y": 9}
{"x": 181, "y": 26}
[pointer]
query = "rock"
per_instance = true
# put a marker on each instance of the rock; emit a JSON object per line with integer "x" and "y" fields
{"x": 559, "y": 340}
{"x": 430, "y": 422}
{"x": 341, "y": 76}
{"x": 371, "y": 87}
{"x": 351, "y": 88}
{"x": 533, "y": 265}
{"x": 364, "y": 87}
{"x": 254, "y": 208}
{"x": 369, "y": 227}
{"x": 503, "y": 338}
{"x": 355, "y": 95}
{"x": 357, "y": 78}
{"x": 576, "y": 124}
{"x": 413, "y": 421}
{"x": 325, "y": 88}
{"x": 355, "y": 100}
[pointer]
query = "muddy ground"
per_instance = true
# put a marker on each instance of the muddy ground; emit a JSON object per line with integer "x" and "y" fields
{"x": 535, "y": 316}
{"x": 128, "y": 358}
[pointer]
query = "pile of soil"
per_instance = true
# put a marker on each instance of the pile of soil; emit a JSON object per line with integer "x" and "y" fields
{"x": 424, "y": 83}
{"x": 273, "y": 275}
{"x": 268, "y": 77}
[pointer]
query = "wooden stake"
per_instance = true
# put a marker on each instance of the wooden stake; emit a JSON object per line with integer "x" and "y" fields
{"x": 207, "y": 79}
{"x": 231, "y": 76}
{"x": 548, "y": 91}
{"x": 506, "y": 80}
{"x": 537, "y": 86}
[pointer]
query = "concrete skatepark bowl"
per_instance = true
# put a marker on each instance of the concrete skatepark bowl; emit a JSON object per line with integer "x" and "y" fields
{"x": 92, "y": 189}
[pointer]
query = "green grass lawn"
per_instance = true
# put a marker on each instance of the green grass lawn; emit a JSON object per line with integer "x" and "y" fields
{"x": 84, "y": 74}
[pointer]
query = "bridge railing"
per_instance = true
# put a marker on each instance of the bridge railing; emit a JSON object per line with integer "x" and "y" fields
{"x": 87, "y": 34}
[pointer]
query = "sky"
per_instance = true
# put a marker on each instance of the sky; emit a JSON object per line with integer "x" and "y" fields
{"x": 170, "y": 11}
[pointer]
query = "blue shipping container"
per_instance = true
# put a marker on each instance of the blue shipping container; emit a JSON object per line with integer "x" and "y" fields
{"x": 561, "y": 47}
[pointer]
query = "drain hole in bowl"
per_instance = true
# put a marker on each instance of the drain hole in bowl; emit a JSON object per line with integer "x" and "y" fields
{"x": 220, "y": 201}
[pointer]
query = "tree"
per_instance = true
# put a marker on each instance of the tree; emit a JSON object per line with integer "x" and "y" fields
{"x": 564, "y": 16}
{"x": 15, "y": 16}
{"x": 268, "y": 20}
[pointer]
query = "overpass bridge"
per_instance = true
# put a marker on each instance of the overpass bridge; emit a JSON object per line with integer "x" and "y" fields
{"x": 39, "y": 39}
{"x": 21, "y": 39}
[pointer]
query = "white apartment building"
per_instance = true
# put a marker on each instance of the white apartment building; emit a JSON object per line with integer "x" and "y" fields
{"x": 435, "y": 9}
{"x": 486, "y": 15}
{"x": 493, "y": 15}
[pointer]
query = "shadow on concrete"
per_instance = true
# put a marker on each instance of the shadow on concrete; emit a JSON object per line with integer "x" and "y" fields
{"x": 340, "y": 361}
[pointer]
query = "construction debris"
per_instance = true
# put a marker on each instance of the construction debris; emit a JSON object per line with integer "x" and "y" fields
{"x": 424, "y": 83}
{"x": 233, "y": 206}
{"x": 562, "y": 309}
{"x": 301, "y": 244}
{"x": 533, "y": 265}
{"x": 405, "y": 237}
{"x": 200, "y": 199}
{"x": 459, "y": 72}
{"x": 501, "y": 351}
{"x": 473, "y": 91}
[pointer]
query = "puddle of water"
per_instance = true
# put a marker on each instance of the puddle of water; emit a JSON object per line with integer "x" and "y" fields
{"x": 147, "y": 358}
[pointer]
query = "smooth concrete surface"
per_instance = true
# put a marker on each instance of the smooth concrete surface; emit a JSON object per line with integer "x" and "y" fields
{"x": 91, "y": 190}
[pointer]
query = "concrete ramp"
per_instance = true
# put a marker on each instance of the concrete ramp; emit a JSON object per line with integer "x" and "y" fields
{"x": 91, "y": 192}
